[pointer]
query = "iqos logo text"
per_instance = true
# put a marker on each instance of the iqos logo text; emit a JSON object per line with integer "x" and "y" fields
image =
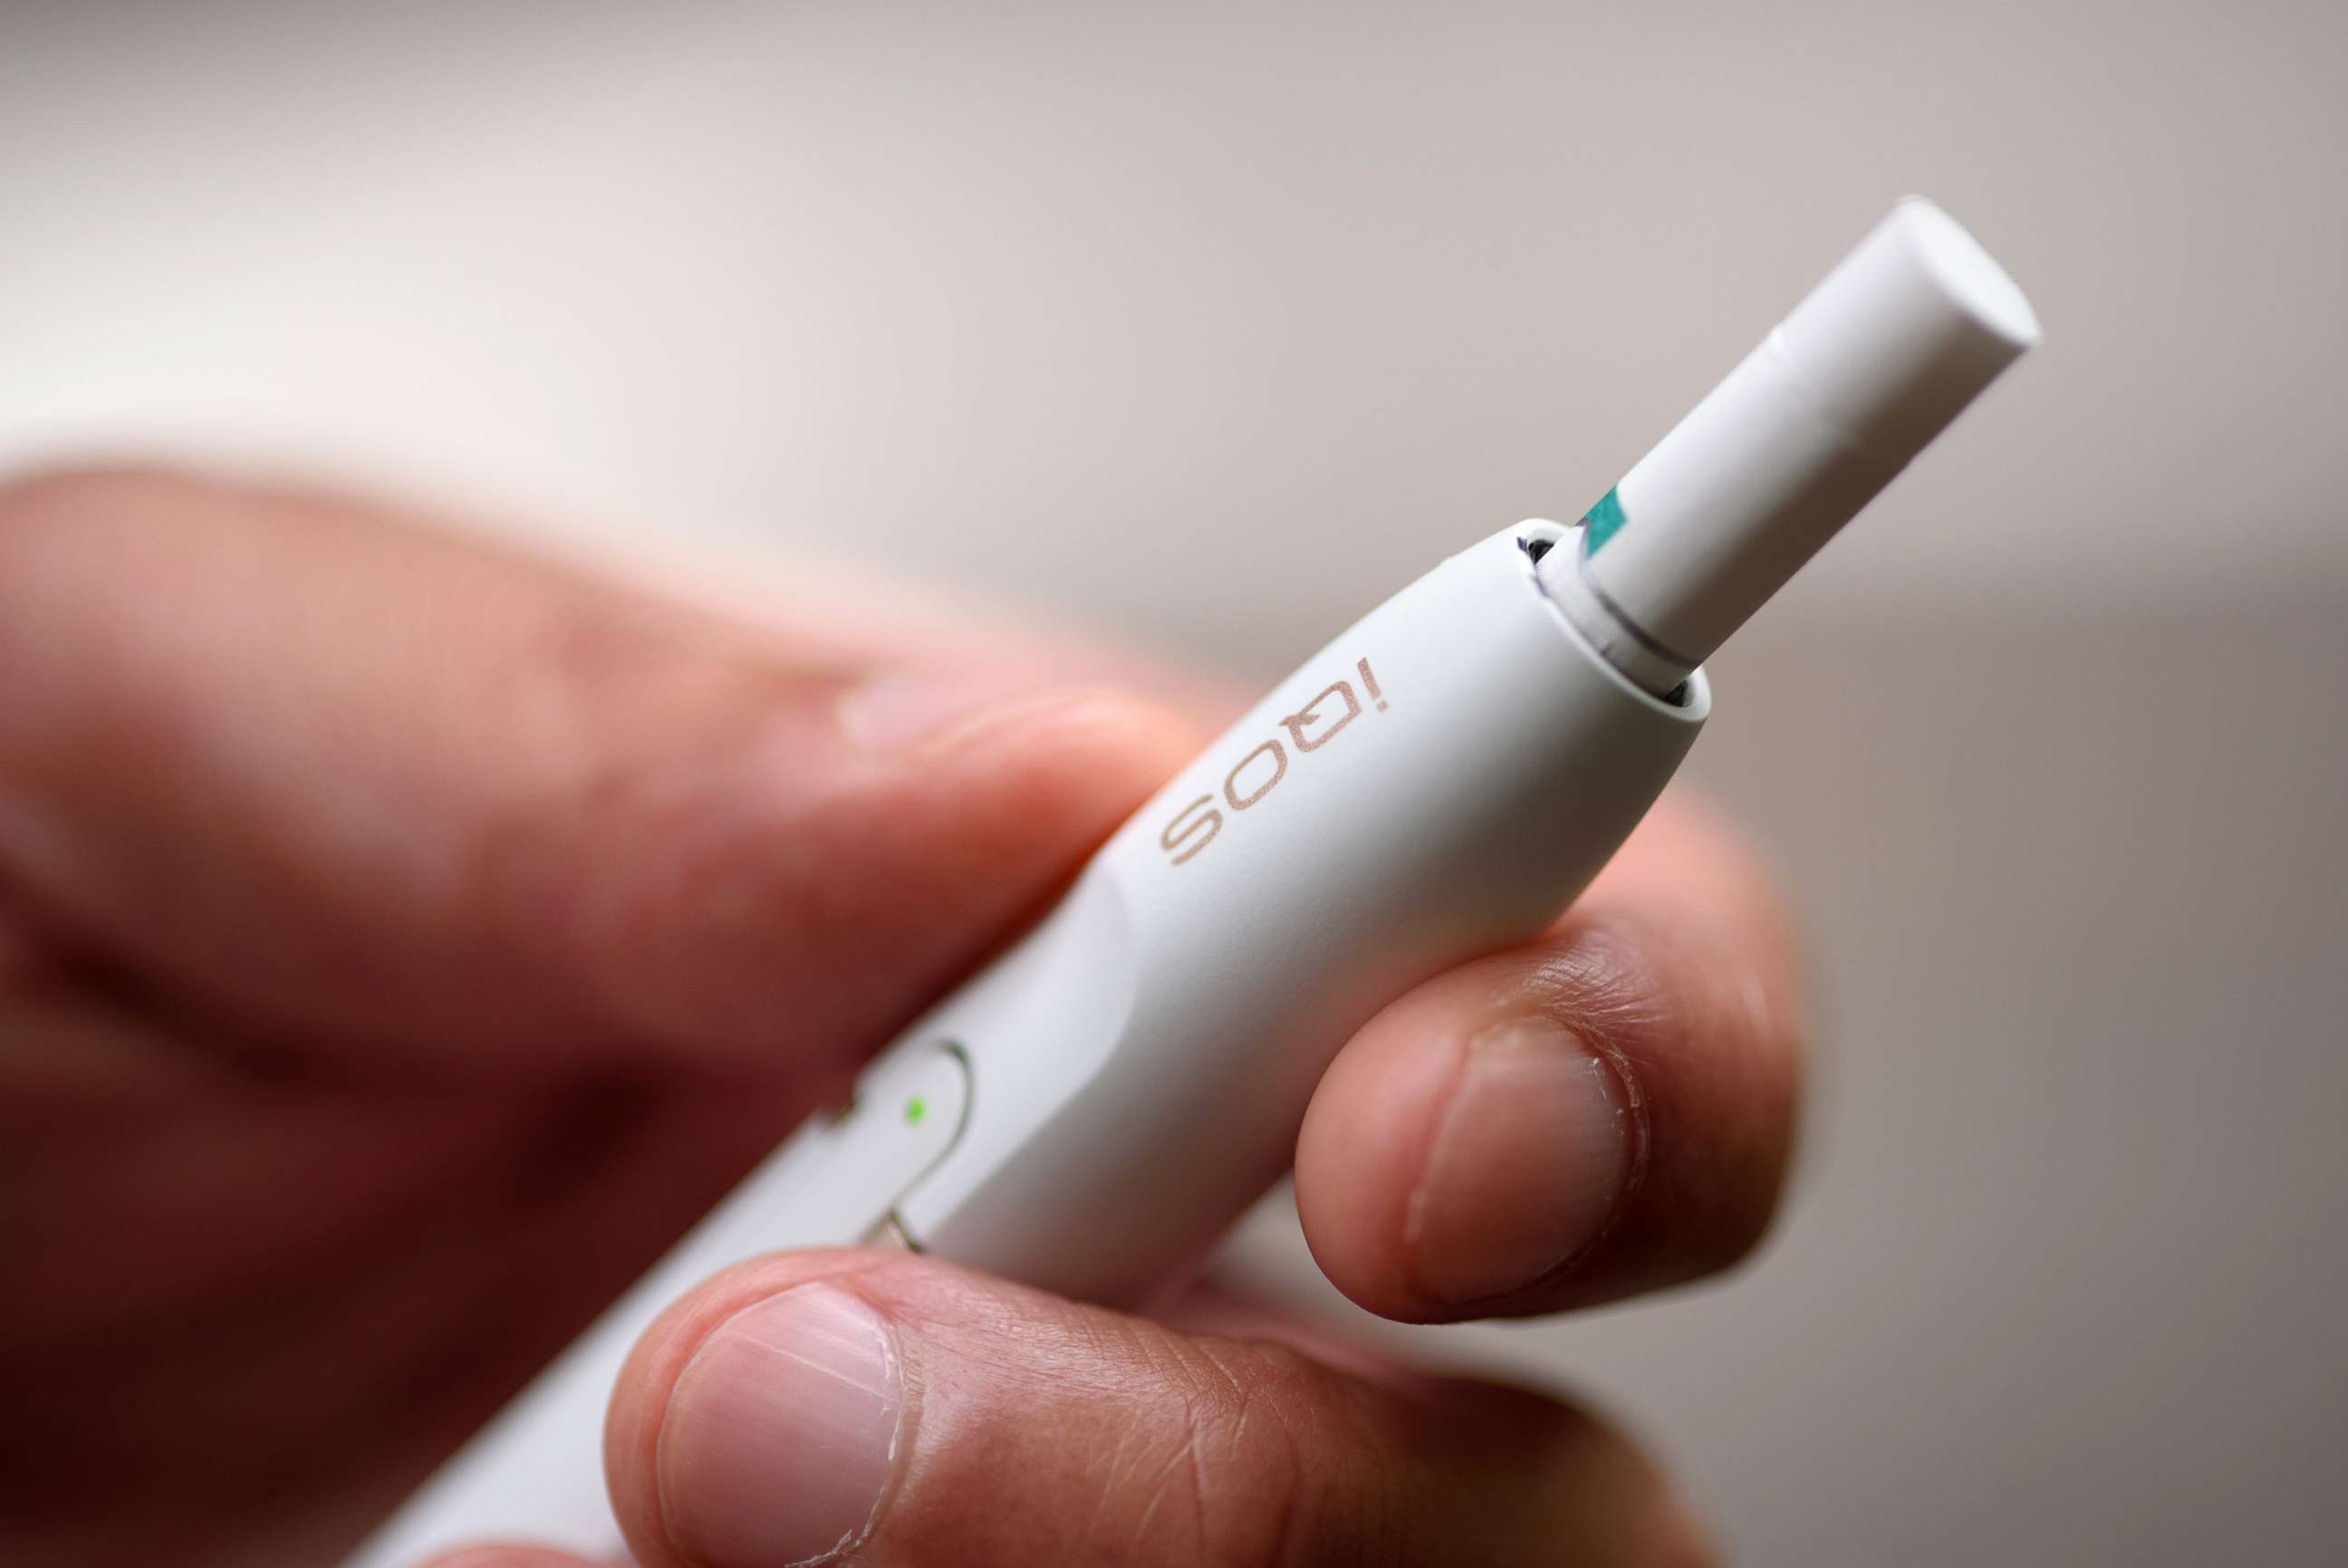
{"x": 1260, "y": 772}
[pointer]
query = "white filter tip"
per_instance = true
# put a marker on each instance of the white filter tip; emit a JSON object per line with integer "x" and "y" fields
{"x": 1908, "y": 330}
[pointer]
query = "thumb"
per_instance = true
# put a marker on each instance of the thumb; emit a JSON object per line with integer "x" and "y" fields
{"x": 891, "y": 1409}
{"x": 365, "y": 788}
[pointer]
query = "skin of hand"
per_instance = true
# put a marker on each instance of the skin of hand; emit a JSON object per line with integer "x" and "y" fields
{"x": 403, "y": 939}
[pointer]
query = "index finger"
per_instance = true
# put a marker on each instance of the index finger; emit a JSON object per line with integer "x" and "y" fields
{"x": 294, "y": 763}
{"x": 1605, "y": 1111}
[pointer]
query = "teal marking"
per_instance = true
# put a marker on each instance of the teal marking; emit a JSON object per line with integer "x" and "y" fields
{"x": 1603, "y": 520}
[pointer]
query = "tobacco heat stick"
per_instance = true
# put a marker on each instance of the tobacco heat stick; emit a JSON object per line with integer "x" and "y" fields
{"x": 1090, "y": 1111}
{"x": 1857, "y": 380}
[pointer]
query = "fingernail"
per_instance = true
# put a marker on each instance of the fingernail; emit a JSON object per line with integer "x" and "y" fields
{"x": 780, "y": 1438}
{"x": 904, "y": 710}
{"x": 1527, "y": 1165}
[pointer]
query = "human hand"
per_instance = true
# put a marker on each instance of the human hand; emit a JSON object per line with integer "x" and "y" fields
{"x": 402, "y": 940}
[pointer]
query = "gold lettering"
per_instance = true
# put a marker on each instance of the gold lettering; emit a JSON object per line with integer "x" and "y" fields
{"x": 1199, "y": 824}
{"x": 1278, "y": 771}
{"x": 1297, "y": 721}
{"x": 1202, "y": 829}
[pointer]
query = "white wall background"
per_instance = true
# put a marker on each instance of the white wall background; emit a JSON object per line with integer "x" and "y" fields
{"x": 1185, "y": 279}
{"x": 1071, "y": 305}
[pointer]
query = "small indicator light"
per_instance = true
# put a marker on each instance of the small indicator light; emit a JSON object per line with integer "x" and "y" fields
{"x": 916, "y": 1109}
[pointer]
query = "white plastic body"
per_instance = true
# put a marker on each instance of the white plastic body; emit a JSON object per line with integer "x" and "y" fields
{"x": 1092, "y": 1112}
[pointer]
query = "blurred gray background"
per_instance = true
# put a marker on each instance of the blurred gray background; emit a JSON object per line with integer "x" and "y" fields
{"x": 1065, "y": 306}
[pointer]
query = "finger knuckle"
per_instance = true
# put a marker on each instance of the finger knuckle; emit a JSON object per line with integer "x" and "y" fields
{"x": 1234, "y": 1482}
{"x": 652, "y": 859}
{"x": 606, "y": 875}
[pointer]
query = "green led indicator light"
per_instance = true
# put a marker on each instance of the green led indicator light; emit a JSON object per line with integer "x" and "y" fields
{"x": 916, "y": 1109}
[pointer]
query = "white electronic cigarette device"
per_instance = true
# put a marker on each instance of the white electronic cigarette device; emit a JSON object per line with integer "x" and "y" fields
{"x": 1091, "y": 1112}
